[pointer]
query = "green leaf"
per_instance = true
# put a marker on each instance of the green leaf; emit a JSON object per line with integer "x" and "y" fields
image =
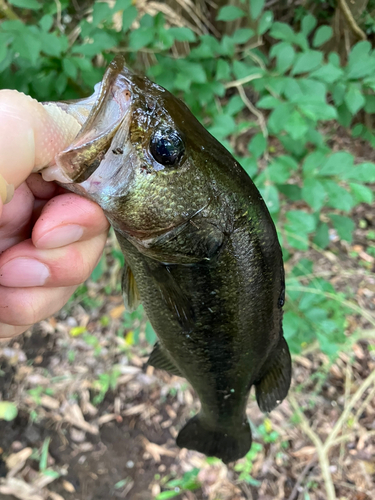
{"x": 141, "y": 38}
{"x": 53, "y": 45}
{"x": 364, "y": 172}
{"x": 299, "y": 225}
{"x": 242, "y": 70}
{"x": 121, "y": 5}
{"x": 164, "y": 495}
{"x": 301, "y": 41}
{"x": 370, "y": 103}
{"x": 99, "y": 269}
{"x": 362, "y": 194}
{"x": 307, "y": 61}
{"x": 150, "y": 334}
{"x": 344, "y": 226}
{"x": 26, "y": 4}
{"x": 322, "y": 35}
{"x": 285, "y": 54}
{"x": 271, "y": 198}
{"x": 8, "y": 411}
{"x": 278, "y": 116}
{"x": 100, "y": 11}
{"x": 227, "y": 46}
{"x": 28, "y": 46}
{"x": 282, "y": 31}
{"x": 222, "y": 70}
{"x": 360, "y": 62}
{"x": 313, "y": 193}
{"x": 344, "y": 115}
{"x": 354, "y": 99}
{"x": 230, "y": 13}
{"x": 281, "y": 168}
{"x": 337, "y": 164}
{"x": 321, "y": 237}
{"x": 256, "y": 7}
{"x": 182, "y": 34}
{"x": 70, "y": 69}
{"x": 46, "y": 22}
{"x": 242, "y": 35}
{"x": 301, "y": 221}
{"x": 265, "y": 22}
{"x": 292, "y": 191}
{"x": 338, "y": 93}
{"x": 308, "y": 23}
{"x": 249, "y": 164}
{"x": 257, "y": 145}
{"x": 128, "y": 17}
{"x": 223, "y": 126}
{"x": 296, "y": 125}
{"x": 268, "y": 102}
{"x": 328, "y": 74}
{"x": 101, "y": 42}
{"x": 60, "y": 84}
{"x": 3, "y": 52}
{"x": 337, "y": 196}
{"x": 234, "y": 105}
{"x": 313, "y": 162}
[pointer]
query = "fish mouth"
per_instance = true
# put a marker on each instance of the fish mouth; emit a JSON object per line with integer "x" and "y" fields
{"x": 100, "y": 115}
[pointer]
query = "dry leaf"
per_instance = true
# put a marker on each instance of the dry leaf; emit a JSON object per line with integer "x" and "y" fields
{"x": 19, "y": 489}
{"x": 74, "y": 416}
{"x": 116, "y": 312}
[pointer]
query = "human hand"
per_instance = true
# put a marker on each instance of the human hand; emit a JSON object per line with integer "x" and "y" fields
{"x": 50, "y": 239}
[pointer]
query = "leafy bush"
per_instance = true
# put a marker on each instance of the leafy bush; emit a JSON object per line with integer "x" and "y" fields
{"x": 275, "y": 110}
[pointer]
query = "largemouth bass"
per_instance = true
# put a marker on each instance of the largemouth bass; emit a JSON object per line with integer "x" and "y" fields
{"x": 201, "y": 250}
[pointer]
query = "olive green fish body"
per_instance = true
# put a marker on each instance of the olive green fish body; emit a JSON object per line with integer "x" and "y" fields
{"x": 201, "y": 252}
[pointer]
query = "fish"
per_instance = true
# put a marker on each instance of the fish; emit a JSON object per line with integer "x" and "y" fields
{"x": 201, "y": 250}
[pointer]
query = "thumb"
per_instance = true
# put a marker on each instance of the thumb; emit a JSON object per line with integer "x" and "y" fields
{"x": 31, "y": 134}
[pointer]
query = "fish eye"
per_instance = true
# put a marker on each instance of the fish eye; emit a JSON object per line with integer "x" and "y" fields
{"x": 167, "y": 146}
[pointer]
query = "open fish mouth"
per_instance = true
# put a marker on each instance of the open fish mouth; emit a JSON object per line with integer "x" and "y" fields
{"x": 100, "y": 116}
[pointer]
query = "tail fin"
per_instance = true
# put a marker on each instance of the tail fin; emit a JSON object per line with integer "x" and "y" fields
{"x": 228, "y": 445}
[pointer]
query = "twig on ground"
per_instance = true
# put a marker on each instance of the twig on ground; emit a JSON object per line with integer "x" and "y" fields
{"x": 351, "y": 21}
{"x": 348, "y": 383}
{"x": 324, "y": 448}
{"x": 7, "y": 11}
{"x": 322, "y": 453}
{"x": 250, "y": 106}
{"x": 345, "y": 414}
{"x": 242, "y": 81}
{"x": 310, "y": 464}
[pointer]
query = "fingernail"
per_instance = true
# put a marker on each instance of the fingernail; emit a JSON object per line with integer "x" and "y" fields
{"x": 23, "y": 272}
{"x": 60, "y": 236}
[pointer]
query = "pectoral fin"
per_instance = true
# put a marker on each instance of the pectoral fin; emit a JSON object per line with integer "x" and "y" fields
{"x": 160, "y": 359}
{"x": 173, "y": 296}
{"x": 129, "y": 289}
{"x": 273, "y": 387}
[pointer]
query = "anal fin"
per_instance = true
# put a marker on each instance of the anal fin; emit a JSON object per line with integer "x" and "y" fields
{"x": 160, "y": 359}
{"x": 274, "y": 385}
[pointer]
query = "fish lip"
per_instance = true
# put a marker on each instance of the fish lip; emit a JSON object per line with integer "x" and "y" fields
{"x": 107, "y": 109}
